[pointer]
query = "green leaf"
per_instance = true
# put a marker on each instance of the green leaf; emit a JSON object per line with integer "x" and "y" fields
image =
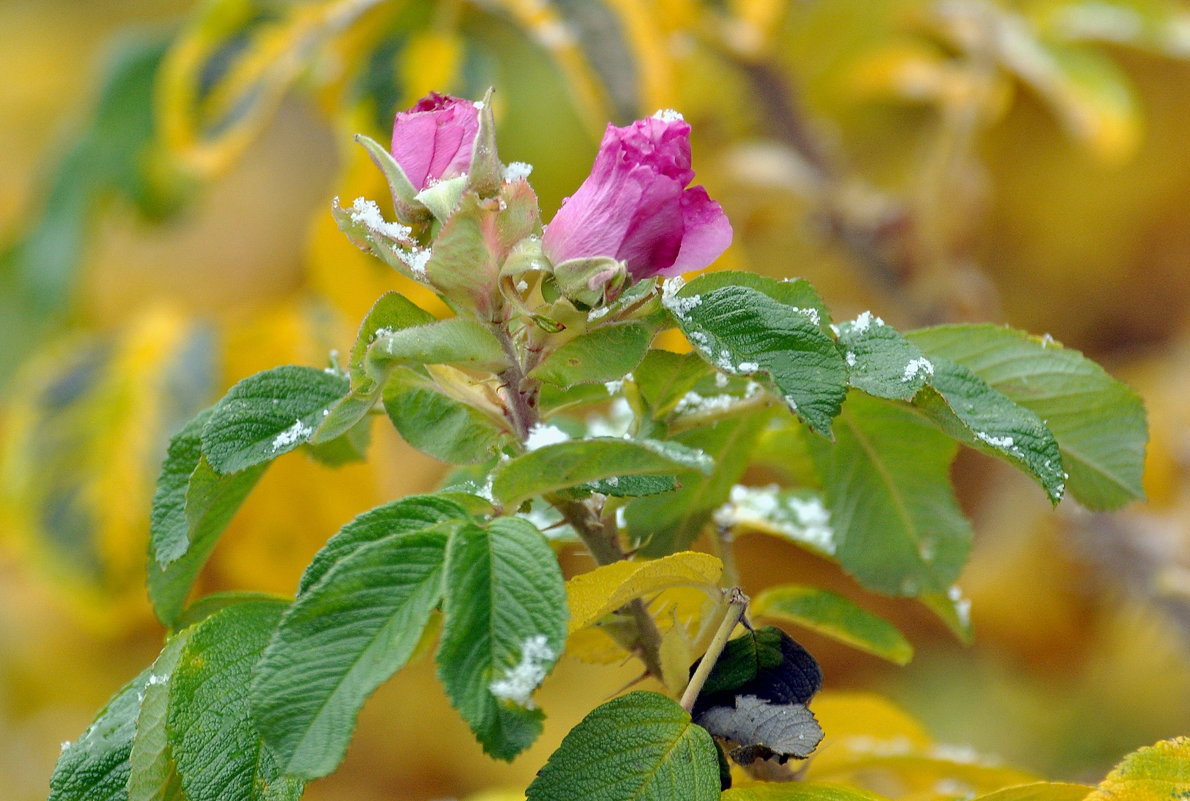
{"x": 153, "y": 775}
{"x": 346, "y": 447}
{"x": 505, "y": 625}
{"x": 833, "y": 616}
{"x": 268, "y": 414}
{"x": 632, "y": 486}
{"x": 796, "y": 292}
{"x": 743, "y": 331}
{"x": 639, "y": 746}
{"x": 437, "y": 424}
{"x": 1039, "y": 791}
{"x": 343, "y": 638}
{"x": 952, "y": 609}
{"x": 666, "y": 523}
{"x": 460, "y": 341}
{"x": 880, "y": 360}
{"x": 605, "y": 354}
{"x": 1159, "y": 772}
{"x": 568, "y": 464}
{"x": 391, "y": 312}
{"x": 96, "y": 766}
{"x": 1099, "y": 422}
{"x": 191, "y": 507}
{"x": 215, "y": 744}
{"x": 965, "y": 407}
{"x": 406, "y": 516}
{"x": 799, "y": 791}
{"x": 886, "y": 481}
{"x": 795, "y": 515}
{"x": 663, "y": 378}
{"x": 764, "y": 661}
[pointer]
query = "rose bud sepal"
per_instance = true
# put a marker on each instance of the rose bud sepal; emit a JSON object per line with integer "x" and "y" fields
{"x": 484, "y": 175}
{"x": 592, "y": 282}
{"x": 403, "y": 192}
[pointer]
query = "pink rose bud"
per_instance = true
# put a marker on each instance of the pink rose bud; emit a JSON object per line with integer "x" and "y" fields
{"x": 635, "y": 206}
{"x": 433, "y": 140}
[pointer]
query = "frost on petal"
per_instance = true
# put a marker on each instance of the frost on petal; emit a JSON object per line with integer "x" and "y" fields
{"x": 518, "y": 683}
{"x": 298, "y": 432}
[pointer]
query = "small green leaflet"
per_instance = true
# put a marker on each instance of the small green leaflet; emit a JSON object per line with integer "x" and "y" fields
{"x": 215, "y": 743}
{"x": 437, "y": 424}
{"x": 391, "y": 312}
{"x": 268, "y": 414}
{"x": 886, "y": 481}
{"x": 663, "y": 378}
{"x": 640, "y": 746}
{"x": 96, "y": 767}
{"x": 569, "y": 464}
{"x": 461, "y": 341}
{"x": 505, "y": 625}
{"x": 153, "y": 776}
{"x": 191, "y": 507}
{"x": 743, "y": 331}
{"x": 880, "y": 361}
{"x": 1099, "y": 422}
{"x": 341, "y": 640}
{"x": 605, "y": 354}
{"x": 833, "y": 616}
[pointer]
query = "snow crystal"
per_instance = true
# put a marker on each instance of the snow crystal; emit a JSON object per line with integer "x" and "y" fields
{"x": 962, "y": 606}
{"x": 721, "y": 380}
{"x": 517, "y": 684}
{"x": 802, "y": 519}
{"x": 156, "y": 679}
{"x": 366, "y": 213}
{"x": 597, "y": 313}
{"x": 864, "y": 322}
{"x": 850, "y": 359}
{"x": 416, "y": 259}
{"x": 522, "y": 286}
{"x": 614, "y": 387}
{"x": 916, "y": 366}
{"x": 65, "y": 744}
{"x": 995, "y": 442}
{"x": 746, "y": 367}
{"x": 297, "y": 432}
{"x": 479, "y": 104}
{"x": 670, "y": 300}
{"x": 541, "y": 435}
{"x": 517, "y": 171}
{"x": 668, "y": 115}
{"x": 810, "y": 312}
{"x": 1046, "y": 340}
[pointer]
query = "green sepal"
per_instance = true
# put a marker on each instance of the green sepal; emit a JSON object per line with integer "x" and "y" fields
{"x": 404, "y": 195}
{"x": 593, "y": 282}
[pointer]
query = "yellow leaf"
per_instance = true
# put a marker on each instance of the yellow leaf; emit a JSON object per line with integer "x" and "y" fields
{"x": 798, "y": 791}
{"x": 1039, "y": 791}
{"x": 676, "y": 656}
{"x": 605, "y": 589}
{"x": 1158, "y": 772}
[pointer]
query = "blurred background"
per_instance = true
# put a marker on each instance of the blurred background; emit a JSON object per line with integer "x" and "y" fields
{"x": 165, "y": 231}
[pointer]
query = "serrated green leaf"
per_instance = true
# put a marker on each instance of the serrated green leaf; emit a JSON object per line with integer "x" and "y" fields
{"x": 834, "y": 616}
{"x": 799, "y": 791}
{"x": 965, "y": 407}
{"x": 153, "y": 775}
{"x": 96, "y": 766}
{"x": 391, "y": 312}
{"x": 342, "y": 639}
{"x": 347, "y": 447}
{"x": 663, "y": 378}
{"x": 743, "y": 331}
{"x": 216, "y": 747}
{"x": 880, "y": 360}
{"x": 796, "y": 292}
{"x": 1099, "y": 422}
{"x": 439, "y": 425}
{"x": 886, "y": 481}
{"x": 191, "y": 507}
{"x": 406, "y": 516}
{"x": 632, "y": 486}
{"x": 1158, "y": 772}
{"x": 666, "y": 523}
{"x": 605, "y": 354}
{"x": 505, "y": 625}
{"x": 460, "y": 341}
{"x": 569, "y": 464}
{"x": 640, "y": 746}
{"x": 267, "y": 415}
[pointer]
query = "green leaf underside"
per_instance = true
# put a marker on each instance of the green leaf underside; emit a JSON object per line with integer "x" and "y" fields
{"x": 745, "y": 332}
{"x": 267, "y": 415}
{"x": 898, "y": 527}
{"x": 881, "y": 361}
{"x": 640, "y": 746}
{"x": 568, "y": 464}
{"x": 392, "y": 311}
{"x": 836, "y": 617}
{"x": 504, "y": 595}
{"x": 436, "y": 424}
{"x": 667, "y": 523}
{"x": 605, "y": 354}
{"x": 191, "y": 507}
{"x": 406, "y": 516}
{"x": 965, "y": 407}
{"x": 215, "y": 744}
{"x": 663, "y": 378}
{"x": 96, "y": 766}
{"x": 153, "y": 776}
{"x": 632, "y": 486}
{"x": 1099, "y": 422}
{"x": 461, "y": 341}
{"x": 344, "y": 637}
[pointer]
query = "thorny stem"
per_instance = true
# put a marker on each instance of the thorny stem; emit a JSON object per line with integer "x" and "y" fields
{"x": 737, "y": 602}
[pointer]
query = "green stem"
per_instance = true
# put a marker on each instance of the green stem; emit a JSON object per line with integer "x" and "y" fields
{"x": 737, "y": 602}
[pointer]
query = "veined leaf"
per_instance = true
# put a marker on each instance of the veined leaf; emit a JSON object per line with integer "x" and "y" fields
{"x": 604, "y": 354}
{"x": 833, "y": 616}
{"x": 880, "y": 361}
{"x": 664, "y": 377}
{"x": 1099, "y": 422}
{"x": 605, "y": 589}
{"x": 743, "y": 331}
{"x": 505, "y": 625}
{"x": 153, "y": 775}
{"x": 1158, "y": 772}
{"x": 797, "y": 292}
{"x": 639, "y": 746}
{"x": 568, "y": 464}
{"x": 437, "y": 424}
{"x": 215, "y": 743}
{"x": 461, "y": 341}
{"x": 795, "y": 515}
{"x": 898, "y": 527}
{"x": 96, "y": 766}
{"x": 268, "y": 414}
{"x": 343, "y": 638}
{"x": 391, "y": 312}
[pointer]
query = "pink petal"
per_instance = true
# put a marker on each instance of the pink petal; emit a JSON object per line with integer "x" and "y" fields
{"x": 707, "y": 233}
